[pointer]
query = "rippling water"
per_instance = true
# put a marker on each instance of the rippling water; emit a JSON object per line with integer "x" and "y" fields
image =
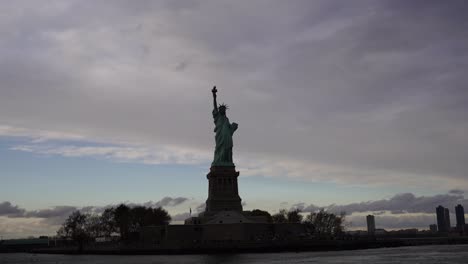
{"x": 425, "y": 254}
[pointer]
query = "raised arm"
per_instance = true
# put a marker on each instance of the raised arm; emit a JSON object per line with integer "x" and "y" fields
{"x": 215, "y": 104}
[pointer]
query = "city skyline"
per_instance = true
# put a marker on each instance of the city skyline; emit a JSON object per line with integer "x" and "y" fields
{"x": 352, "y": 107}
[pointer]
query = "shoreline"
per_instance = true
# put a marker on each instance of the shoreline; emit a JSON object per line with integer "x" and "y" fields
{"x": 251, "y": 247}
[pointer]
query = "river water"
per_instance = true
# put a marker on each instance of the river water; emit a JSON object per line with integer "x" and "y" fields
{"x": 450, "y": 254}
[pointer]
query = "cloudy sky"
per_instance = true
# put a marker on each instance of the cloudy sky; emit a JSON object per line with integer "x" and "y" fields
{"x": 350, "y": 105}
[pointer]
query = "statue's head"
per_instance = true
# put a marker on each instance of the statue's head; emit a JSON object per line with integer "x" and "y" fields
{"x": 222, "y": 109}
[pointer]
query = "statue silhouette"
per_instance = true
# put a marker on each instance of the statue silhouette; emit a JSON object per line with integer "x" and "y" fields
{"x": 224, "y": 131}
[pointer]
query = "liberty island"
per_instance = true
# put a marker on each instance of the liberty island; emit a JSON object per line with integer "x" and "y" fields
{"x": 224, "y": 226}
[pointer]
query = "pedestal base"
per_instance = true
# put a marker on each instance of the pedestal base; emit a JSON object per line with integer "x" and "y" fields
{"x": 223, "y": 194}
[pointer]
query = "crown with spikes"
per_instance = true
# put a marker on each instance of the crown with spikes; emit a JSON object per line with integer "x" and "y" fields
{"x": 223, "y": 105}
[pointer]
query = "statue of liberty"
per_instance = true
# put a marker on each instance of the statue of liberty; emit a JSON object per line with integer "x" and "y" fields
{"x": 224, "y": 131}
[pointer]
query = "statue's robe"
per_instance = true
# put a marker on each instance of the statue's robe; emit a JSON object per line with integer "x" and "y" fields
{"x": 224, "y": 131}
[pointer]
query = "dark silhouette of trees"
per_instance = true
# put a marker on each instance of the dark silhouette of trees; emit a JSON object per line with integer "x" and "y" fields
{"x": 294, "y": 216}
{"x": 283, "y": 216}
{"x": 321, "y": 224}
{"x": 258, "y": 212}
{"x": 123, "y": 219}
{"x": 108, "y": 223}
{"x": 280, "y": 217}
{"x": 159, "y": 216}
{"x": 83, "y": 228}
{"x": 76, "y": 228}
{"x": 93, "y": 226}
{"x": 325, "y": 225}
{"x": 147, "y": 216}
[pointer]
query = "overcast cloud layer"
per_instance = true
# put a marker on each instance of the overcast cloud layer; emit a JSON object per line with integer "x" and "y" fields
{"x": 398, "y": 204}
{"x": 362, "y": 91}
{"x": 401, "y": 211}
{"x": 57, "y": 214}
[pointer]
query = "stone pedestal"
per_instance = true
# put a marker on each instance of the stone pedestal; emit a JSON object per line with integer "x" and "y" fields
{"x": 223, "y": 193}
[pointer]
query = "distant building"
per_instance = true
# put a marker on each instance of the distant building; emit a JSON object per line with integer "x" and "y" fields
{"x": 370, "y": 224}
{"x": 447, "y": 219}
{"x": 441, "y": 220}
{"x": 460, "y": 214}
{"x": 433, "y": 228}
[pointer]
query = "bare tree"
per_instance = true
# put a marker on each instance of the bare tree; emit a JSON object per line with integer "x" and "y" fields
{"x": 280, "y": 217}
{"x": 325, "y": 225}
{"x": 76, "y": 228}
{"x": 294, "y": 216}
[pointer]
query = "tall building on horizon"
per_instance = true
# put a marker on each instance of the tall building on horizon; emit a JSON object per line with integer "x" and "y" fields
{"x": 460, "y": 215}
{"x": 447, "y": 219}
{"x": 441, "y": 219}
{"x": 370, "y": 224}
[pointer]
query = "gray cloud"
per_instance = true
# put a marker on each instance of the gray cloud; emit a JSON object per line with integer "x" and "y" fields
{"x": 398, "y": 204}
{"x": 369, "y": 91}
{"x": 50, "y": 216}
{"x": 57, "y": 214}
{"x": 457, "y": 192}
{"x": 169, "y": 201}
{"x": 164, "y": 202}
{"x": 301, "y": 206}
{"x": 400, "y": 211}
{"x": 180, "y": 217}
{"x": 56, "y": 211}
{"x": 19, "y": 222}
{"x": 7, "y": 209}
{"x": 181, "y": 66}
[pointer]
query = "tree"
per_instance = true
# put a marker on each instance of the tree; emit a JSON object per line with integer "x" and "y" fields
{"x": 325, "y": 224}
{"x": 258, "y": 212}
{"x": 122, "y": 218}
{"x": 294, "y": 216}
{"x": 94, "y": 226}
{"x": 147, "y": 216}
{"x": 284, "y": 216}
{"x": 75, "y": 227}
{"x": 159, "y": 216}
{"x": 137, "y": 217}
{"x": 108, "y": 223}
{"x": 280, "y": 217}
{"x": 82, "y": 227}
{"x": 129, "y": 220}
